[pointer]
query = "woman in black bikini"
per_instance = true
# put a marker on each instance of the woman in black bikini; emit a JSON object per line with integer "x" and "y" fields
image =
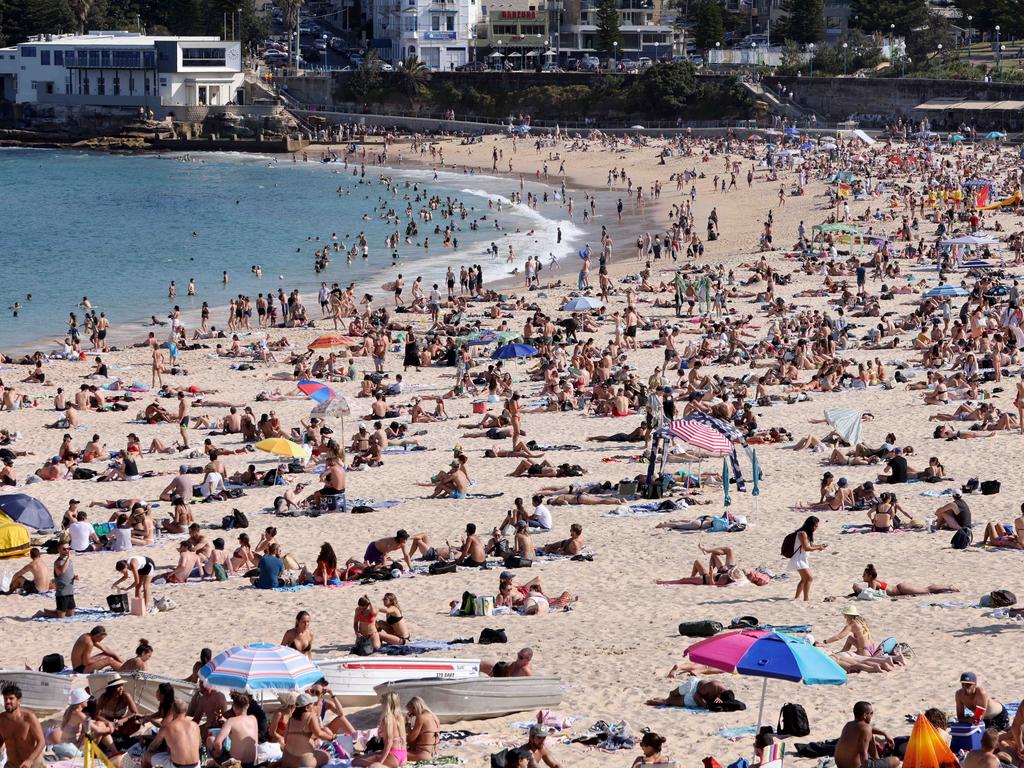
{"x": 392, "y": 628}
{"x": 300, "y": 637}
{"x": 422, "y": 730}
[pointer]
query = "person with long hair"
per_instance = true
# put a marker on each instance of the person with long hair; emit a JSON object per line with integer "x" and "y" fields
{"x": 392, "y": 627}
{"x": 651, "y": 745}
{"x": 391, "y": 730}
{"x": 856, "y": 632}
{"x": 903, "y": 589}
{"x": 799, "y": 562}
{"x": 300, "y": 636}
{"x": 140, "y": 661}
{"x": 423, "y": 730}
{"x": 303, "y": 731}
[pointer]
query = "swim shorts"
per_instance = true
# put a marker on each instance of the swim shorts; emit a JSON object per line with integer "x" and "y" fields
{"x": 372, "y": 554}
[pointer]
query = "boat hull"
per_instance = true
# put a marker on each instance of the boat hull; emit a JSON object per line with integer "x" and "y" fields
{"x": 481, "y": 698}
{"x": 142, "y": 687}
{"x": 354, "y": 680}
{"x": 42, "y": 693}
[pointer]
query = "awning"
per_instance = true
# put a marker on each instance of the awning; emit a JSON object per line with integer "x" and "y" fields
{"x": 967, "y": 105}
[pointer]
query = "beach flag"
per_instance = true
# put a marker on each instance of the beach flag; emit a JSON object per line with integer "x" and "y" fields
{"x": 981, "y": 197}
{"x": 844, "y": 189}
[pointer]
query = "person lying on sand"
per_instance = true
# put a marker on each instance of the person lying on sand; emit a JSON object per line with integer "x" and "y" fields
{"x": 721, "y": 570}
{"x": 693, "y": 693}
{"x": 902, "y": 589}
{"x": 521, "y": 666}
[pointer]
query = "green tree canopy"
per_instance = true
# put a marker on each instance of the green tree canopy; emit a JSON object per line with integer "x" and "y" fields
{"x": 806, "y": 21}
{"x": 710, "y": 28}
{"x": 608, "y": 33}
{"x": 879, "y": 15}
{"x": 667, "y": 86}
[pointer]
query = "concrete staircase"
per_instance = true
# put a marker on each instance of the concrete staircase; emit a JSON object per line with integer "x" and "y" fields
{"x": 777, "y": 104}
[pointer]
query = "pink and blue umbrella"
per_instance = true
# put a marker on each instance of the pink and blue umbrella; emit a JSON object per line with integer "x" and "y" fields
{"x": 760, "y": 653}
{"x": 316, "y": 391}
{"x": 260, "y": 667}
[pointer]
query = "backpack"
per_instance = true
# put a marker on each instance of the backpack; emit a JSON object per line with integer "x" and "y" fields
{"x": 468, "y": 605}
{"x": 515, "y": 561}
{"x": 962, "y": 538}
{"x": 489, "y": 636}
{"x": 789, "y": 544}
{"x": 241, "y": 521}
{"x": 793, "y": 721}
{"x": 441, "y": 566}
{"x": 700, "y": 628}
{"x": 1001, "y": 598}
{"x": 53, "y": 663}
{"x": 363, "y": 646}
{"x": 118, "y": 603}
{"x": 227, "y": 522}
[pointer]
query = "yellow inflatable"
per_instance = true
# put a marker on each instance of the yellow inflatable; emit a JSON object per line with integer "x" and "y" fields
{"x": 1014, "y": 199}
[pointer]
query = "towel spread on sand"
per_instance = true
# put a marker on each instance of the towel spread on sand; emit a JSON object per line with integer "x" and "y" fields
{"x": 85, "y": 615}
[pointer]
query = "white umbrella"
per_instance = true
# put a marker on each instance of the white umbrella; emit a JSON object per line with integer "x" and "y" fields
{"x": 847, "y": 423}
{"x": 978, "y": 239}
{"x": 515, "y": 55}
{"x": 496, "y": 55}
{"x": 550, "y": 54}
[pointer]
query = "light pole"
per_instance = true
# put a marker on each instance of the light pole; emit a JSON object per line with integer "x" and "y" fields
{"x": 753, "y": 47}
{"x": 999, "y": 68}
{"x": 892, "y": 34}
{"x": 615, "y": 52}
{"x": 970, "y": 34}
{"x": 500, "y": 61}
{"x": 810, "y": 47}
{"x": 845, "y": 59}
{"x": 997, "y": 42}
{"x": 938, "y": 60}
{"x": 718, "y": 48}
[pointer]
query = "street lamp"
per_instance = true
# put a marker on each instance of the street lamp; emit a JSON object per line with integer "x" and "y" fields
{"x": 938, "y": 60}
{"x": 845, "y": 46}
{"x": 892, "y": 33}
{"x": 970, "y": 31}
{"x": 997, "y": 41}
{"x": 615, "y": 52}
{"x": 810, "y": 47}
{"x": 754, "y": 47}
{"x": 999, "y": 66}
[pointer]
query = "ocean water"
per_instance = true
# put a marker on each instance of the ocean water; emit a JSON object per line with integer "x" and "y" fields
{"x": 119, "y": 228}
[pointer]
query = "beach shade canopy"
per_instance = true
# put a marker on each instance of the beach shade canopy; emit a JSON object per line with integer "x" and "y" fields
{"x": 496, "y": 55}
{"x": 956, "y": 138}
{"x": 582, "y": 304}
{"x": 261, "y": 667}
{"x": 511, "y": 351}
{"x": 314, "y": 390}
{"x": 14, "y": 540}
{"x": 700, "y": 436}
{"x": 329, "y": 342}
{"x": 945, "y": 291}
{"x": 927, "y": 748}
{"x": 26, "y": 510}
{"x": 754, "y": 137}
{"x": 336, "y": 406}
{"x": 977, "y": 239}
{"x": 281, "y": 447}
{"x": 791, "y": 131}
{"x": 846, "y": 422}
{"x": 637, "y": 127}
{"x": 995, "y": 135}
{"x": 758, "y": 653}
{"x": 806, "y": 146}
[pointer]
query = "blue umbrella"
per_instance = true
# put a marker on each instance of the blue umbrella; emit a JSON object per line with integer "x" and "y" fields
{"x": 805, "y": 147}
{"x": 757, "y": 473}
{"x": 26, "y": 510}
{"x": 995, "y": 135}
{"x": 791, "y": 131}
{"x": 581, "y": 304}
{"x": 727, "y": 499}
{"x": 944, "y": 291}
{"x": 510, "y": 351}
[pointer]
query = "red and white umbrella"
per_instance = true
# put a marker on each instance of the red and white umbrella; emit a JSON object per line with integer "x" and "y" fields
{"x": 700, "y": 436}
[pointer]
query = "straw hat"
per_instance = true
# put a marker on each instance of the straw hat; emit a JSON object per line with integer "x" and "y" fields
{"x": 851, "y": 610}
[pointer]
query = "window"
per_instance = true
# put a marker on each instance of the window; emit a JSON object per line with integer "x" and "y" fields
{"x": 117, "y": 85}
{"x": 28, "y": 51}
{"x": 58, "y": 58}
{"x": 101, "y": 86}
{"x": 202, "y": 57}
{"x": 94, "y": 58}
{"x": 145, "y": 82}
{"x": 148, "y": 59}
{"x": 409, "y": 24}
{"x": 44, "y": 57}
{"x": 435, "y": 23}
{"x": 105, "y": 58}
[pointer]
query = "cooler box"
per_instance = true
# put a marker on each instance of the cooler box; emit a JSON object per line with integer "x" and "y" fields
{"x": 480, "y": 407}
{"x": 965, "y": 736}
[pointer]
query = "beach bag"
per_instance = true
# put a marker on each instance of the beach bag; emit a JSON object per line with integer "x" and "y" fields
{"x": 118, "y": 603}
{"x": 440, "y": 567}
{"x": 363, "y": 646}
{"x": 962, "y": 538}
{"x": 1002, "y": 598}
{"x": 484, "y": 605}
{"x": 241, "y": 521}
{"x": 515, "y": 561}
{"x": 53, "y": 663}
{"x": 793, "y": 721}
{"x": 490, "y": 636}
{"x": 989, "y": 487}
{"x": 83, "y": 473}
{"x": 741, "y": 763}
{"x": 760, "y": 578}
{"x": 219, "y": 573}
{"x": 744, "y": 622}
{"x": 468, "y": 605}
{"x": 700, "y": 628}
{"x": 227, "y": 522}
{"x": 789, "y": 544}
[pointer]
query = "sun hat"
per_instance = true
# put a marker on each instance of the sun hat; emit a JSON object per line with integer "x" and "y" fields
{"x": 851, "y": 610}
{"x": 78, "y": 696}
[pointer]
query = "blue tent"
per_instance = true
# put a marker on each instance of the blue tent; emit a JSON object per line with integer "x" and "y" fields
{"x": 510, "y": 351}
{"x": 26, "y": 510}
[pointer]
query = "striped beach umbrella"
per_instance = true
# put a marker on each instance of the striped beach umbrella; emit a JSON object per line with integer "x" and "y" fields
{"x": 700, "y": 436}
{"x": 260, "y": 667}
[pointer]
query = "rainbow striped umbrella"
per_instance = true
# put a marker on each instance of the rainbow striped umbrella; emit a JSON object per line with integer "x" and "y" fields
{"x": 260, "y": 667}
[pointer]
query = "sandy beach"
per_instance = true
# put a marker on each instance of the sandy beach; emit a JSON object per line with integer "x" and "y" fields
{"x": 614, "y": 648}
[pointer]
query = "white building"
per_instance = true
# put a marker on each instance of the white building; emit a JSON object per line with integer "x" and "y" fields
{"x": 123, "y": 69}
{"x": 437, "y": 32}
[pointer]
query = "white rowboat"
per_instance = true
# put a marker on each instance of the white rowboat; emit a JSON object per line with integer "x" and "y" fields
{"x": 41, "y": 692}
{"x": 481, "y": 698}
{"x": 354, "y": 679}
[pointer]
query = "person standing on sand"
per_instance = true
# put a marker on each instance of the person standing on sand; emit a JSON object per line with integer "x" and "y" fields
{"x": 158, "y": 366}
{"x": 20, "y": 732}
{"x": 798, "y": 560}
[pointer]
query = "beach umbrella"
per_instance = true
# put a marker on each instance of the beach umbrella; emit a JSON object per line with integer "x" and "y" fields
{"x": 726, "y": 498}
{"x": 846, "y": 422}
{"x": 791, "y": 131}
{"x": 945, "y": 291}
{"x": 806, "y": 146}
{"x": 759, "y": 653}
{"x": 581, "y": 304}
{"x": 511, "y": 351}
{"x": 261, "y": 667}
{"x": 26, "y": 510}
{"x": 756, "y": 469}
{"x": 281, "y": 447}
{"x": 337, "y": 406}
{"x": 483, "y": 338}
{"x": 316, "y": 391}
{"x": 926, "y": 747}
{"x": 956, "y": 138}
{"x": 995, "y": 135}
{"x": 700, "y": 436}
{"x": 754, "y": 137}
{"x": 328, "y": 342}
{"x": 496, "y": 55}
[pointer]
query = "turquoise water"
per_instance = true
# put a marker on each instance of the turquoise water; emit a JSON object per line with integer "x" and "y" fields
{"x": 119, "y": 228}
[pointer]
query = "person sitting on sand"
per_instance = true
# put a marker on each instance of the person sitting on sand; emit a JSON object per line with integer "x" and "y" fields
{"x": 189, "y": 564}
{"x": 1000, "y": 535}
{"x": 89, "y": 655}
{"x": 377, "y": 551}
{"x": 856, "y": 632}
{"x": 302, "y": 731}
{"x": 423, "y": 731}
{"x": 721, "y": 570}
{"x": 30, "y": 579}
{"x": 858, "y": 745}
{"x": 954, "y": 515}
{"x": 871, "y": 581}
{"x": 521, "y": 666}
{"x": 536, "y": 748}
{"x": 570, "y": 547}
{"x": 971, "y": 696}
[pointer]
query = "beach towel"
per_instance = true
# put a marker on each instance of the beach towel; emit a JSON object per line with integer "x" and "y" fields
{"x": 738, "y": 732}
{"x": 789, "y": 628}
{"x": 937, "y": 494}
{"x": 413, "y": 647}
{"x": 84, "y": 615}
{"x": 372, "y": 504}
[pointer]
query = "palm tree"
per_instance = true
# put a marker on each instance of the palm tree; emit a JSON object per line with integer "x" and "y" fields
{"x": 290, "y": 10}
{"x": 413, "y": 76}
{"x": 80, "y": 8}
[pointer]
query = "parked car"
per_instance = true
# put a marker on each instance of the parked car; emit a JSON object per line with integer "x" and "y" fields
{"x": 471, "y": 66}
{"x": 572, "y": 65}
{"x": 275, "y": 58}
{"x": 385, "y": 67}
{"x": 551, "y": 67}
{"x": 628, "y": 65}
{"x": 590, "y": 64}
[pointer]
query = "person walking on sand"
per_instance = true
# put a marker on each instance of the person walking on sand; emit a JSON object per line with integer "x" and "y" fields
{"x": 801, "y": 543}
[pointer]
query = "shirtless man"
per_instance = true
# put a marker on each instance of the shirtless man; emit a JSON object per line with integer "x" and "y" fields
{"x": 84, "y": 660}
{"x": 571, "y": 546}
{"x": 521, "y": 666}
{"x": 232, "y": 423}
{"x": 471, "y": 554}
{"x": 20, "y": 732}
{"x": 31, "y": 579}
{"x": 241, "y": 728}
{"x": 970, "y": 695}
{"x": 857, "y": 747}
{"x": 179, "y": 486}
{"x": 536, "y": 747}
{"x": 207, "y": 708}
{"x": 377, "y": 551}
{"x": 692, "y": 692}
{"x": 180, "y": 735}
{"x": 188, "y": 562}
{"x": 985, "y": 757}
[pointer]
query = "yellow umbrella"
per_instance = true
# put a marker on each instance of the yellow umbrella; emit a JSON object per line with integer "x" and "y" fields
{"x": 281, "y": 447}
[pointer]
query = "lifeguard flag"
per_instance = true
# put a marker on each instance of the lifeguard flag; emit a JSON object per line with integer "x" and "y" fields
{"x": 844, "y": 189}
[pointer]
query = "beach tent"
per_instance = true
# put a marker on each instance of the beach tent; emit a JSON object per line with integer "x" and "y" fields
{"x": 13, "y": 538}
{"x": 993, "y": 135}
{"x": 26, "y": 510}
{"x": 846, "y": 422}
{"x": 582, "y": 304}
{"x": 864, "y": 137}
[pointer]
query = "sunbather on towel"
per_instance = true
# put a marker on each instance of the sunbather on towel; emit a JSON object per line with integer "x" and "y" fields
{"x": 694, "y": 693}
{"x": 997, "y": 535}
{"x": 721, "y": 570}
{"x": 871, "y": 581}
